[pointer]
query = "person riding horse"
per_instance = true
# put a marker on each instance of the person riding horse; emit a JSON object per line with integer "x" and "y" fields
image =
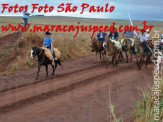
{"x": 100, "y": 37}
{"x": 148, "y": 38}
{"x": 130, "y": 35}
{"x": 142, "y": 39}
{"x": 114, "y": 35}
{"x": 48, "y": 44}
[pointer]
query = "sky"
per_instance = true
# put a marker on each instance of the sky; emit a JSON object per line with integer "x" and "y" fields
{"x": 137, "y": 9}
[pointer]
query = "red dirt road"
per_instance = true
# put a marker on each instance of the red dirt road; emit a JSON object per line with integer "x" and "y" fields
{"x": 77, "y": 93}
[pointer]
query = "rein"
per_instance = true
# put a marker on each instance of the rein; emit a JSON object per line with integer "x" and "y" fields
{"x": 39, "y": 55}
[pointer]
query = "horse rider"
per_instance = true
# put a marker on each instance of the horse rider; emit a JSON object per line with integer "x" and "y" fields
{"x": 130, "y": 35}
{"x": 142, "y": 39}
{"x": 114, "y": 35}
{"x": 148, "y": 38}
{"x": 48, "y": 44}
{"x": 101, "y": 36}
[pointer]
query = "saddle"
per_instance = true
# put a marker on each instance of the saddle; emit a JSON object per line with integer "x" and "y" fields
{"x": 48, "y": 53}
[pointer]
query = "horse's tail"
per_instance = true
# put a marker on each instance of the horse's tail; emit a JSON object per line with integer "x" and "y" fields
{"x": 59, "y": 62}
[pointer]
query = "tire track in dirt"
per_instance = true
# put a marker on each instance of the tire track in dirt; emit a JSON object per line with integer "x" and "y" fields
{"x": 123, "y": 92}
{"x": 53, "y": 87}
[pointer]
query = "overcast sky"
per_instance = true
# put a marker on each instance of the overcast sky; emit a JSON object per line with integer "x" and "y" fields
{"x": 138, "y": 9}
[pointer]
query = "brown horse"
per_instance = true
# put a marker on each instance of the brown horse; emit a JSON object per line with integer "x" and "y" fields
{"x": 111, "y": 50}
{"x": 140, "y": 54}
{"x": 98, "y": 48}
{"x": 126, "y": 47}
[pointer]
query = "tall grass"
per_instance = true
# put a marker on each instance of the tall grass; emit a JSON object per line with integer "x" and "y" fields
{"x": 144, "y": 110}
{"x": 16, "y": 56}
{"x": 112, "y": 117}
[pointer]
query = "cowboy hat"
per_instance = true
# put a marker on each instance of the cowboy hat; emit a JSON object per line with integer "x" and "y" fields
{"x": 142, "y": 30}
{"x": 147, "y": 30}
{"x": 47, "y": 33}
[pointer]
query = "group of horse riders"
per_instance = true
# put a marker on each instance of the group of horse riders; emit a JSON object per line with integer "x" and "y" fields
{"x": 144, "y": 39}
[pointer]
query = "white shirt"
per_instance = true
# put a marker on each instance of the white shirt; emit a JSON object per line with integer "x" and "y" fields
{"x": 161, "y": 39}
{"x": 25, "y": 16}
{"x": 162, "y": 36}
{"x": 142, "y": 37}
{"x": 147, "y": 36}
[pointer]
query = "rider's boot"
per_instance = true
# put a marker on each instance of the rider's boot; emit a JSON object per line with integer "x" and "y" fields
{"x": 53, "y": 62}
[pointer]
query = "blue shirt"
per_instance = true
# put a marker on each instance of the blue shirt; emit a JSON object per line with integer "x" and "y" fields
{"x": 47, "y": 41}
{"x": 25, "y": 16}
{"x": 128, "y": 34}
{"x": 101, "y": 36}
{"x": 113, "y": 36}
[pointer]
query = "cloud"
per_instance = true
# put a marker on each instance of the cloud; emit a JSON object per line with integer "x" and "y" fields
{"x": 138, "y": 9}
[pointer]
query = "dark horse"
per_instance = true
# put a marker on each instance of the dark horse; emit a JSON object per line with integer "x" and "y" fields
{"x": 141, "y": 52}
{"x": 98, "y": 48}
{"x": 43, "y": 60}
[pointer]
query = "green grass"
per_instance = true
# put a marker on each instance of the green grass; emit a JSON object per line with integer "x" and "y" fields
{"x": 144, "y": 110}
{"x": 71, "y": 48}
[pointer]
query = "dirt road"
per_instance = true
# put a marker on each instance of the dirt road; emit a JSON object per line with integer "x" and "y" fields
{"x": 77, "y": 93}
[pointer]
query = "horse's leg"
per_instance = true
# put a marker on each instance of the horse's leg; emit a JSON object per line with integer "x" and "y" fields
{"x": 104, "y": 57}
{"x": 113, "y": 61}
{"x": 141, "y": 62}
{"x": 100, "y": 57}
{"x": 147, "y": 60}
{"x": 126, "y": 56}
{"x": 107, "y": 60}
{"x": 130, "y": 55}
{"x": 121, "y": 56}
{"x": 38, "y": 70}
{"x": 96, "y": 58}
{"x": 116, "y": 61}
{"x": 46, "y": 70}
{"x": 53, "y": 69}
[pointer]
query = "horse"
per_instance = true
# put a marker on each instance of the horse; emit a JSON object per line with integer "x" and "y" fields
{"x": 110, "y": 50}
{"x": 98, "y": 48}
{"x": 140, "y": 54}
{"x": 126, "y": 47}
{"x": 43, "y": 60}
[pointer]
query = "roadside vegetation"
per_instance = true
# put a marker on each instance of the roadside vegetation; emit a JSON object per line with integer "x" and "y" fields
{"x": 144, "y": 110}
{"x": 16, "y": 56}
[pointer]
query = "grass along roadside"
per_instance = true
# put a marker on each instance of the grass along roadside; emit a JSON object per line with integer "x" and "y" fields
{"x": 16, "y": 56}
{"x": 144, "y": 110}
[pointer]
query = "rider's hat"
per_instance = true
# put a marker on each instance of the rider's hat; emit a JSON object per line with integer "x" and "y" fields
{"x": 47, "y": 33}
{"x": 147, "y": 30}
{"x": 142, "y": 30}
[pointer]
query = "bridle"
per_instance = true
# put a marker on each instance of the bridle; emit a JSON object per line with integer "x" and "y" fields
{"x": 38, "y": 55}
